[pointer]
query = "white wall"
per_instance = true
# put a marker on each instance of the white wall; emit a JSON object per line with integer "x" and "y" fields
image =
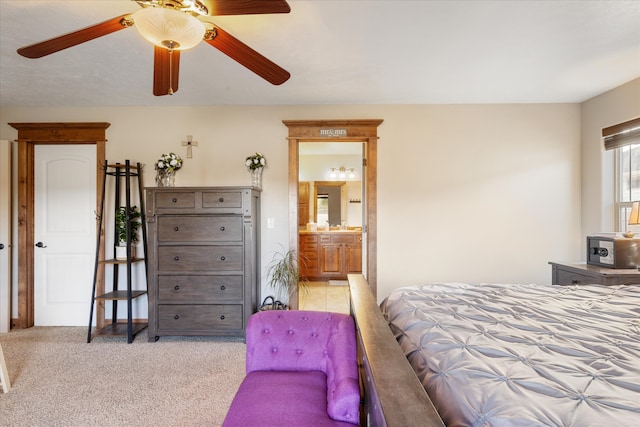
{"x": 480, "y": 193}
{"x": 477, "y": 193}
{"x": 598, "y": 197}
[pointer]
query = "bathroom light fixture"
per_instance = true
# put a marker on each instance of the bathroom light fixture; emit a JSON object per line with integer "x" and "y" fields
{"x": 169, "y": 28}
{"x": 342, "y": 173}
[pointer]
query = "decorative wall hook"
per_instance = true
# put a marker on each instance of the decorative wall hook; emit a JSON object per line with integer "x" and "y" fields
{"x": 189, "y": 143}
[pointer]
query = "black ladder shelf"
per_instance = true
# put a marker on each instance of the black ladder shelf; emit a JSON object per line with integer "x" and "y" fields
{"x": 111, "y": 327}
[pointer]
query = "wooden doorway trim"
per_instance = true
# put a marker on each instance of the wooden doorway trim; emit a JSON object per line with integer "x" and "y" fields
{"x": 365, "y": 131}
{"x": 30, "y": 135}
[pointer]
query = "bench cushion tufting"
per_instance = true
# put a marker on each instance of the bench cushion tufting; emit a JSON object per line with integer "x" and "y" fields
{"x": 297, "y": 341}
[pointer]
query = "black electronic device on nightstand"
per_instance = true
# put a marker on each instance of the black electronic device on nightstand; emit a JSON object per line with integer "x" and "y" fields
{"x": 613, "y": 252}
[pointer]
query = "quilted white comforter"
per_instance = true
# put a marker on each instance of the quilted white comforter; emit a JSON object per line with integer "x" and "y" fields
{"x": 523, "y": 355}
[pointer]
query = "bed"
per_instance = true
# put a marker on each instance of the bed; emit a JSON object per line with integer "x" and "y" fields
{"x": 499, "y": 355}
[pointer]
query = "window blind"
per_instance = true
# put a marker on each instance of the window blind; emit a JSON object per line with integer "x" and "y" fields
{"x": 622, "y": 134}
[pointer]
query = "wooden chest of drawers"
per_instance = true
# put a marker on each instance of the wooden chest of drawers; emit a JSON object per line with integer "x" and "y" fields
{"x": 203, "y": 259}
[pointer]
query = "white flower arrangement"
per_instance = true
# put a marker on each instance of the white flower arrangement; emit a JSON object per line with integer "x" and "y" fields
{"x": 168, "y": 163}
{"x": 255, "y": 161}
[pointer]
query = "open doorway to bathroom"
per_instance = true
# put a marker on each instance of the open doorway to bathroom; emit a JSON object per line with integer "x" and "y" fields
{"x": 364, "y": 134}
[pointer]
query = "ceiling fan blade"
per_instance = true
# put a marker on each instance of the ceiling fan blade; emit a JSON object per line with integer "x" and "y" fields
{"x": 47, "y": 47}
{"x": 166, "y": 69}
{"x": 246, "y": 7}
{"x": 248, "y": 57}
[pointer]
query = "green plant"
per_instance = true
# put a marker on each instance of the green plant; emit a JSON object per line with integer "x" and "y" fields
{"x": 121, "y": 224}
{"x": 284, "y": 273}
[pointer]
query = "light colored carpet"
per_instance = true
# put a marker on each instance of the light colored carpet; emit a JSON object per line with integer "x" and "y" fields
{"x": 60, "y": 380}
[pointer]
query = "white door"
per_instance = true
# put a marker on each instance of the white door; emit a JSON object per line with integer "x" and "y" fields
{"x": 65, "y": 233}
{"x": 5, "y": 236}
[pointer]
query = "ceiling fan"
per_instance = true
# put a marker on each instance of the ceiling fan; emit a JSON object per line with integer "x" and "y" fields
{"x": 175, "y": 25}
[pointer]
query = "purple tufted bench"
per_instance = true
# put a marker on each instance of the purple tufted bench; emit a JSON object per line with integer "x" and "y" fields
{"x": 301, "y": 371}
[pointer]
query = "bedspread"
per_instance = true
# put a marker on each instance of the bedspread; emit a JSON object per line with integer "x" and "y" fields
{"x": 523, "y": 355}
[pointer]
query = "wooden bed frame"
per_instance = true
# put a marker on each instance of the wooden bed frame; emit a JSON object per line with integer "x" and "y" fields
{"x": 392, "y": 394}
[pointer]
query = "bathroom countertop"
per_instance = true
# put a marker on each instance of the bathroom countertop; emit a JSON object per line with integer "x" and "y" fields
{"x": 305, "y": 231}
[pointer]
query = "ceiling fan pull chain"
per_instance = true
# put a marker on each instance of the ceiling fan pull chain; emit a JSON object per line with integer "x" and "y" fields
{"x": 170, "y": 71}
{"x": 210, "y": 34}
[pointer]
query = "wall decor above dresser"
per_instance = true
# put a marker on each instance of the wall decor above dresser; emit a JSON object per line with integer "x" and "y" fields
{"x": 204, "y": 259}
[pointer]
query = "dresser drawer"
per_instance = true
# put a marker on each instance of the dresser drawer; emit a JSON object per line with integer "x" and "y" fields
{"x": 308, "y": 238}
{"x": 199, "y": 317}
{"x": 309, "y": 256}
{"x": 175, "y": 200}
{"x": 309, "y": 264}
{"x": 190, "y": 228}
{"x": 222, "y": 199}
{"x": 343, "y": 238}
{"x": 309, "y": 247}
{"x": 200, "y": 289}
{"x": 565, "y": 277}
{"x": 200, "y": 258}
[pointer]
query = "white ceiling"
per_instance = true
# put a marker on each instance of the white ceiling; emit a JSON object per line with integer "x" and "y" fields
{"x": 338, "y": 52}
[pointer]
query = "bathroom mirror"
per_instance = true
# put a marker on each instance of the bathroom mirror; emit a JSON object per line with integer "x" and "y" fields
{"x": 330, "y": 184}
{"x": 329, "y": 199}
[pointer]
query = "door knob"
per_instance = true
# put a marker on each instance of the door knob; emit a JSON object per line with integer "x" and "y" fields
{"x": 41, "y": 245}
{"x": 1, "y": 246}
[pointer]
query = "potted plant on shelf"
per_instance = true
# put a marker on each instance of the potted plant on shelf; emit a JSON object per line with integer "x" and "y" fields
{"x": 284, "y": 273}
{"x": 121, "y": 230}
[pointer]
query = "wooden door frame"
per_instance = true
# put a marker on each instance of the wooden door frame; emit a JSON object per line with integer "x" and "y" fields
{"x": 30, "y": 135}
{"x": 364, "y": 131}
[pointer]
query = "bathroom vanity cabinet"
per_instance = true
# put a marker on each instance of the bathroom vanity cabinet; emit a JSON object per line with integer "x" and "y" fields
{"x": 330, "y": 255}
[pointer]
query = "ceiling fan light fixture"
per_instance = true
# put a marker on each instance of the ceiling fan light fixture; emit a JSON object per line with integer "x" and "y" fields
{"x": 169, "y": 28}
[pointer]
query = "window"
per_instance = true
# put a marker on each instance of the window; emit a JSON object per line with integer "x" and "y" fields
{"x": 625, "y": 139}
{"x": 628, "y": 184}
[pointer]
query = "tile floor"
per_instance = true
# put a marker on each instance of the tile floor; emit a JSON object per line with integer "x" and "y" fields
{"x": 324, "y": 297}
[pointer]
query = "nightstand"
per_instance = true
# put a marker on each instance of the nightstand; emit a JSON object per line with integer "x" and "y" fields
{"x": 583, "y": 274}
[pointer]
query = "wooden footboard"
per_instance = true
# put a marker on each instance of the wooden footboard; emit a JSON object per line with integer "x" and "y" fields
{"x": 393, "y": 395}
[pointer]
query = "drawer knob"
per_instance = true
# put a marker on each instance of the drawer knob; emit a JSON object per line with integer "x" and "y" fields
{"x": 176, "y": 228}
{"x": 177, "y": 258}
{"x": 222, "y": 228}
{"x": 575, "y": 281}
{"x": 222, "y": 258}
{"x": 223, "y": 287}
{"x": 177, "y": 288}
{"x": 222, "y": 317}
{"x": 174, "y": 200}
{"x": 221, "y": 199}
{"x": 176, "y": 317}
